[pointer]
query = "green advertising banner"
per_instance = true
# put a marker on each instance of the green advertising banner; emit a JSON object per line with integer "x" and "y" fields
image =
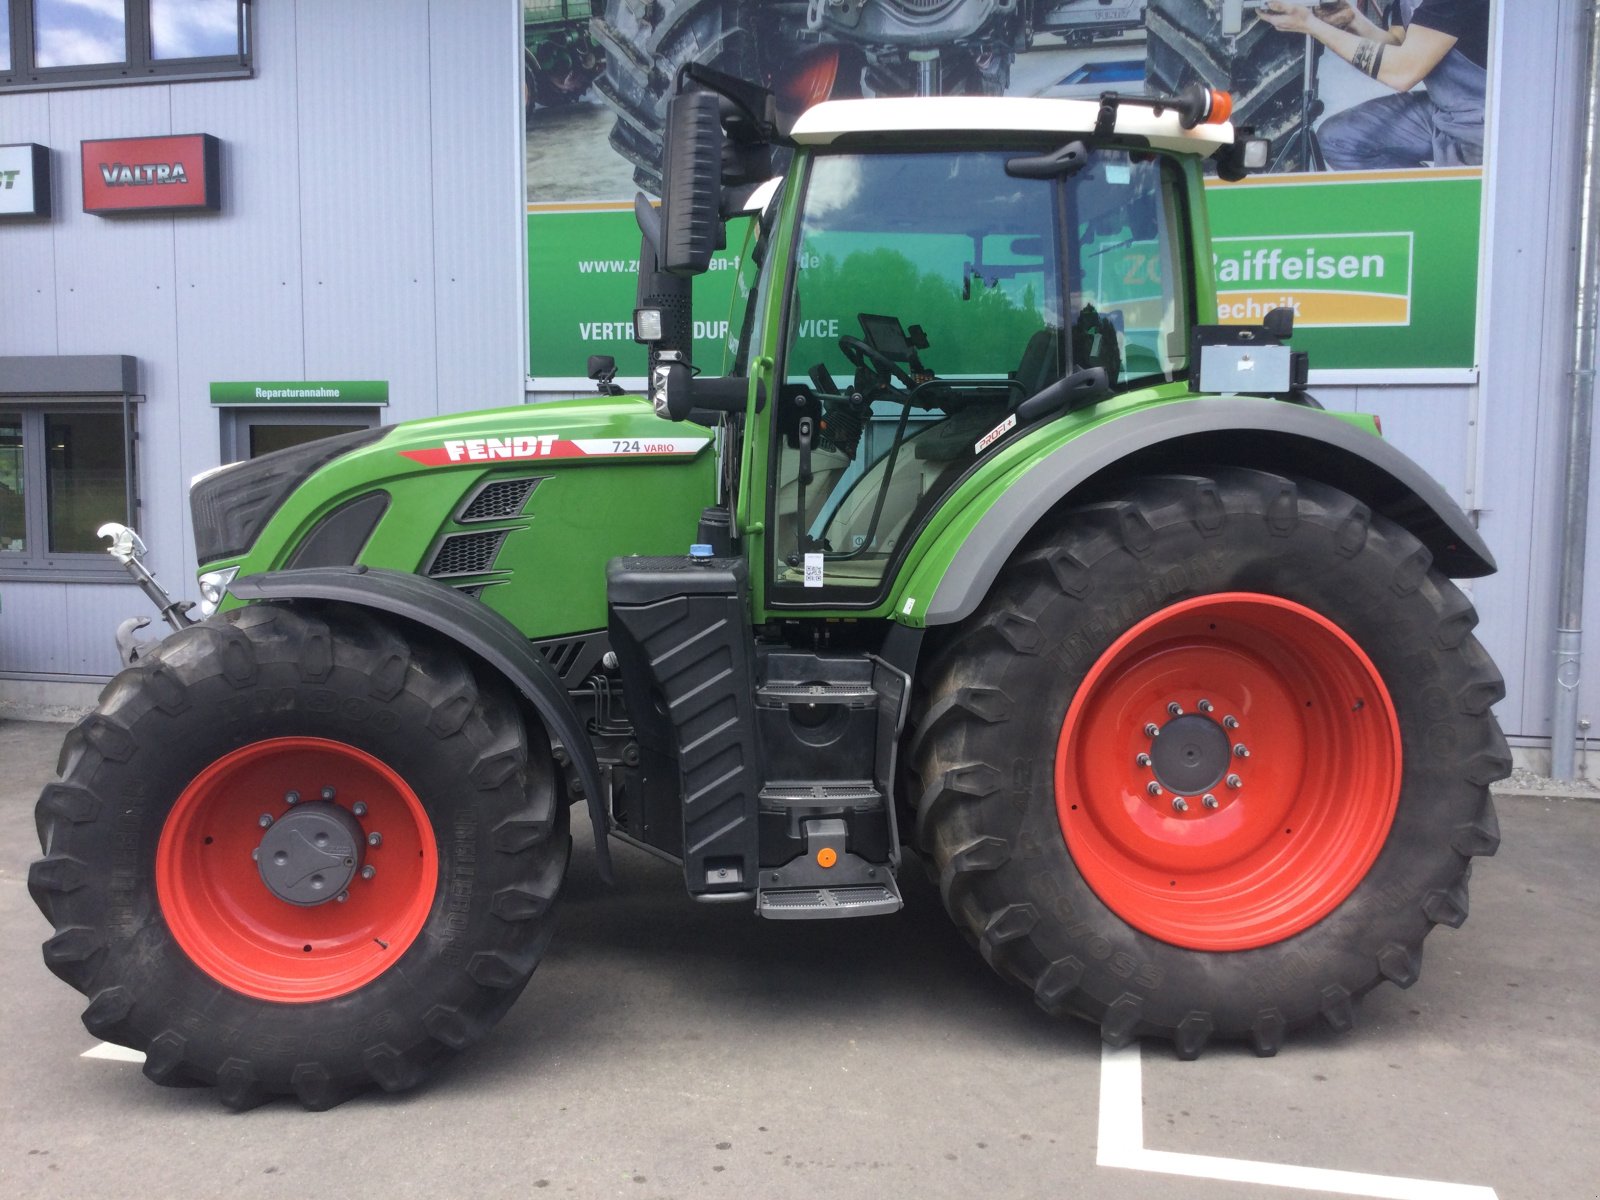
{"x": 583, "y": 268}
{"x": 1381, "y": 268}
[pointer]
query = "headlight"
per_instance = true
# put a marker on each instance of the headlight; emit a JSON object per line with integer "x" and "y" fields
{"x": 647, "y": 324}
{"x": 213, "y": 587}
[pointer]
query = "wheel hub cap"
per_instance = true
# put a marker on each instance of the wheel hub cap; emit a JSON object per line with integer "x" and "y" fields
{"x": 311, "y": 855}
{"x": 1190, "y": 755}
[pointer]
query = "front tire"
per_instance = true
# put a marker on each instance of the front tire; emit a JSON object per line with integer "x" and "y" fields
{"x": 1326, "y": 711}
{"x": 299, "y": 853}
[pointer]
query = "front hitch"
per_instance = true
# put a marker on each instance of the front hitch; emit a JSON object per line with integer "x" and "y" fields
{"x": 128, "y": 548}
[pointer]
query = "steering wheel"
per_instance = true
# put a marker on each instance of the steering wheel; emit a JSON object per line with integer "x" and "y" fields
{"x": 860, "y": 352}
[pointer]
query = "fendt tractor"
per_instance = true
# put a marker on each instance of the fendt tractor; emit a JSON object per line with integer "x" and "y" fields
{"x": 985, "y": 547}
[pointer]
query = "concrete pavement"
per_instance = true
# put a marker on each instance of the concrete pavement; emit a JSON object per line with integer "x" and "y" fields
{"x": 668, "y": 1049}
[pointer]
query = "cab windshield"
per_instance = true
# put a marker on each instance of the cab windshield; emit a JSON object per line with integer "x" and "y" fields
{"x": 933, "y": 294}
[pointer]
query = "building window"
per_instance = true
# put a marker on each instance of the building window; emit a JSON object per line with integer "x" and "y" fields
{"x": 65, "y": 470}
{"x": 252, "y": 432}
{"x": 76, "y": 43}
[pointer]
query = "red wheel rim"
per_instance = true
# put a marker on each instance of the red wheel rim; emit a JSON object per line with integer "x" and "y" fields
{"x": 1285, "y": 831}
{"x": 232, "y": 925}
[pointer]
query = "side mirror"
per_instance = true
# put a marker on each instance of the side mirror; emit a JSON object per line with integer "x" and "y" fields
{"x": 691, "y": 183}
{"x": 1279, "y": 322}
{"x": 603, "y": 370}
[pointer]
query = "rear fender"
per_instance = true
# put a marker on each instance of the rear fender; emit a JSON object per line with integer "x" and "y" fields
{"x": 1181, "y": 437}
{"x": 474, "y": 627}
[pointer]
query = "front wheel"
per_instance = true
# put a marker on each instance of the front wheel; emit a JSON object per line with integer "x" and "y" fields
{"x": 299, "y": 853}
{"x": 1211, "y": 760}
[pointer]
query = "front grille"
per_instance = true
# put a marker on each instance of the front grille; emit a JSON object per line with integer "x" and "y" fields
{"x": 498, "y": 499}
{"x": 467, "y": 553}
{"x": 233, "y": 505}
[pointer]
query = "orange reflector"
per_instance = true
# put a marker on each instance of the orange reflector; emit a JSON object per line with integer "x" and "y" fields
{"x": 1221, "y": 107}
{"x": 827, "y": 856}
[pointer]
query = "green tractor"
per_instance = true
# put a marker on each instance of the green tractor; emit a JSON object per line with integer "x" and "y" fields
{"x": 985, "y": 547}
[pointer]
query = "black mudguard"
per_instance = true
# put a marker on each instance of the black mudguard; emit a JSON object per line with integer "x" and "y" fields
{"x": 474, "y": 627}
{"x": 1244, "y": 431}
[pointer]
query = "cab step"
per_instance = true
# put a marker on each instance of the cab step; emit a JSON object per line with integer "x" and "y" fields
{"x": 827, "y": 903}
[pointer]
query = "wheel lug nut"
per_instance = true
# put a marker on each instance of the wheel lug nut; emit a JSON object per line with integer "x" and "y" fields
{"x": 368, "y": 871}
{"x": 1208, "y": 800}
{"x": 1175, "y": 709}
{"x": 1235, "y": 782}
{"x": 264, "y": 820}
{"x": 1142, "y": 760}
{"x": 328, "y": 793}
{"x": 1153, "y": 788}
{"x": 359, "y": 808}
{"x": 374, "y": 839}
{"x": 1241, "y": 750}
{"x": 1152, "y": 730}
{"x": 342, "y": 897}
{"x": 1205, "y": 706}
{"x": 1179, "y": 804}
{"x": 291, "y": 798}
{"x": 1230, "y": 722}
{"x": 255, "y": 855}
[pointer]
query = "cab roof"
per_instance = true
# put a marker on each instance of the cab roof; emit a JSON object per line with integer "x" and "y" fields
{"x": 824, "y": 123}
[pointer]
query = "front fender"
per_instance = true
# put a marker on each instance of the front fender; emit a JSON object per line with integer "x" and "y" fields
{"x": 474, "y": 627}
{"x": 1180, "y": 436}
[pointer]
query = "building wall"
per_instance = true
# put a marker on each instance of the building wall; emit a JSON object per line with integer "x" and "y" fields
{"x": 1525, "y": 350}
{"x": 371, "y": 228}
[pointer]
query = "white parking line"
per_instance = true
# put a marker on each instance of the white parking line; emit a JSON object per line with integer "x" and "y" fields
{"x": 1122, "y": 1145}
{"x": 112, "y": 1053}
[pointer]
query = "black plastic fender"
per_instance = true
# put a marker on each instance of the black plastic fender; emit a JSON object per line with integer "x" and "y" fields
{"x": 475, "y": 628}
{"x": 1245, "y": 431}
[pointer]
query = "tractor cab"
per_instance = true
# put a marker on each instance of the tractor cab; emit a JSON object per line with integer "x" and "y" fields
{"x": 930, "y": 284}
{"x": 930, "y": 281}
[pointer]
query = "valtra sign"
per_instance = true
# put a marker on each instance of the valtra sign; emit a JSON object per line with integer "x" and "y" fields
{"x": 152, "y": 174}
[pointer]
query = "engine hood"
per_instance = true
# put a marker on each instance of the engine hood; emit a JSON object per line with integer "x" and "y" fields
{"x": 602, "y": 427}
{"x": 520, "y": 507}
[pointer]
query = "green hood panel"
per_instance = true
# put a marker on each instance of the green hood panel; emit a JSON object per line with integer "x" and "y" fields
{"x": 586, "y": 480}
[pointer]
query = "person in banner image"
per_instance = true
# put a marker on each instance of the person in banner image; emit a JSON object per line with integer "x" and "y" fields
{"x": 1441, "y": 44}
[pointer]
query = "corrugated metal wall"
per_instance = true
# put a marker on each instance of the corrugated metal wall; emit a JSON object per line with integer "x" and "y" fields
{"x": 371, "y": 229}
{"x": 1525, "y": 349}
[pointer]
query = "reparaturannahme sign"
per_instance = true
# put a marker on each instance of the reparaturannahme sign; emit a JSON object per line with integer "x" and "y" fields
{"x": 302, "y": 393}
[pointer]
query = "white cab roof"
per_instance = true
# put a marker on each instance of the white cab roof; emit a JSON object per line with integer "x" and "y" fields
{"x": 823, "y": 123}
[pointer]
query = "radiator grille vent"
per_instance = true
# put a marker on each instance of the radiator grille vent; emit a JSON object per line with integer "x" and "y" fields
{"x": 467, "y": 553}
{"x": 561, "y": 655}
{"x": 498, "y": 500}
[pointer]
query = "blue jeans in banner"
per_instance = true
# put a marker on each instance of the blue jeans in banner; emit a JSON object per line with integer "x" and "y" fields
{"x": 1392, "y": 132}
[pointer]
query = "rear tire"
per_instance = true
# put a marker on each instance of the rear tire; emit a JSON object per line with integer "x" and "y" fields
{"x": 164, "y": 921}
{"x": 1348, "y": 835}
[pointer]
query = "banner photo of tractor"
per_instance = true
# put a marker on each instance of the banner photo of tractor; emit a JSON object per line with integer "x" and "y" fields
{"x": 1367, "y": 223}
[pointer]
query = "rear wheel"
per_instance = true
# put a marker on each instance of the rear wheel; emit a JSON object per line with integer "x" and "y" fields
{"x": 1211, "y": 760}
{"x": 296, "y": 853}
